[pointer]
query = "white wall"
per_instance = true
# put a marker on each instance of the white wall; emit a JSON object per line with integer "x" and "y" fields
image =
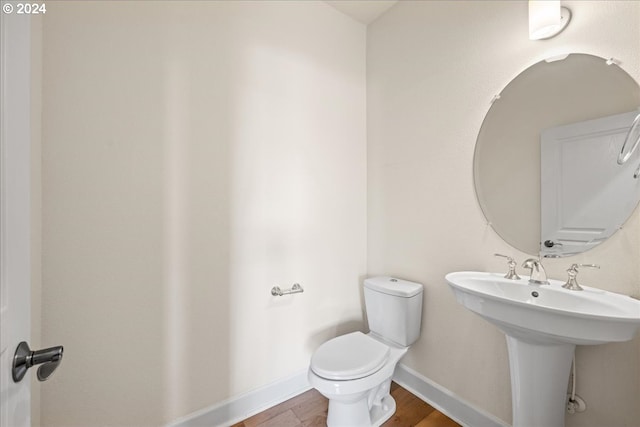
{"x": 195, "y": 154}
{"x": 432, "y": 69}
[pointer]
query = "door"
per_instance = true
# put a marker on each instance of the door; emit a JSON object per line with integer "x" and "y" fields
{"x": 585, "y": 194}
{"x": 15, "y": 269}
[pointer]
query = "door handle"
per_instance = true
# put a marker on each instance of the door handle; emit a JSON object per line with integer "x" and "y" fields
{"x": 24, "y": 358}
{"x": 551, "y": 243}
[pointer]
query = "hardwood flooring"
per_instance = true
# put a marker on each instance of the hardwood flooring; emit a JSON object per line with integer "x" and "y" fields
{"x": 310, "y": 410}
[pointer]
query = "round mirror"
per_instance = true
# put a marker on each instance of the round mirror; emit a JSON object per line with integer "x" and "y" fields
{"x": 545, "y": 164}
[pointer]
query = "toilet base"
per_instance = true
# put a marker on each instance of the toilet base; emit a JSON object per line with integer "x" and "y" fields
{"x": 380, "y": 414}
{"x": 362, "y": 402}
{"x": 364, "y": 409}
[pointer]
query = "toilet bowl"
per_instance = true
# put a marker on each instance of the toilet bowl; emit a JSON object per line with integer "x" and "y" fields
{"x": 354, "y": 371}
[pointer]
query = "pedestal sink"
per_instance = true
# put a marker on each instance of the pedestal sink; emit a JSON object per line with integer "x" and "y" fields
{"x": 543, "y": 325}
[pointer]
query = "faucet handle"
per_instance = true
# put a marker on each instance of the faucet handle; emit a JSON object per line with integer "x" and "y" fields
{"x": 511, "y": 274}
{"x": 575, "y": 266}
{"x": 505, "y": 256}
{"x": 572, "y": 283}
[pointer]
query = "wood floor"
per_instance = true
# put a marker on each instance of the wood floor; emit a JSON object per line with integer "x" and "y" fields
{"x": 310, "y": 410}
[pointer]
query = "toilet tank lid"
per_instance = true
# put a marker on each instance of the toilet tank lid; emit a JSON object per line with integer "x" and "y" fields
{"x": 393, "y": 286}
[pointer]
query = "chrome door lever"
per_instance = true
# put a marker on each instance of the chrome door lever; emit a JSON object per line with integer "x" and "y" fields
{"x": 24, "y": 358}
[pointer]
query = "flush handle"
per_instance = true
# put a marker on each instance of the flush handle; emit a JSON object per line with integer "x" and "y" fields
{"x": 24, "y": 358}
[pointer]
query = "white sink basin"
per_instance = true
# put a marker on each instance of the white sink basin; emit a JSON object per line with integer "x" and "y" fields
{"x": 543, "y": 325}
{"x": 547, "y": 313}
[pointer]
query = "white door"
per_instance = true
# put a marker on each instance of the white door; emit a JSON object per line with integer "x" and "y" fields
{"x": 15, "y": 277}
{"x": 585, "y": 194}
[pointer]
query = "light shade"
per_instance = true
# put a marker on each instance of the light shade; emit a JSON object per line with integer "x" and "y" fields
{"x": 547, "y": 18}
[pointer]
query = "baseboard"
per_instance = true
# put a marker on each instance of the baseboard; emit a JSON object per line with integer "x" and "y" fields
{"x": 444, "y": 400}
{"x": 236, "y": 409}
{"x": 239, "y": 408}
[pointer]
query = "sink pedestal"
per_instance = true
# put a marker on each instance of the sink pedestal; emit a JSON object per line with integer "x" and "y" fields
{"x": 539, "y": 379}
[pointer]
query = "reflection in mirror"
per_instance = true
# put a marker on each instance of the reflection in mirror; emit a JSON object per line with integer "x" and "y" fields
{"x": 582, "y": 107}
{"x": 631, "y": 141}
{"x": 586, "y": 195}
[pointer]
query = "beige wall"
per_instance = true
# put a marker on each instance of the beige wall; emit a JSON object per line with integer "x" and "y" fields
{"x": 195, "y": 154}
{"x": 432, "y": 70}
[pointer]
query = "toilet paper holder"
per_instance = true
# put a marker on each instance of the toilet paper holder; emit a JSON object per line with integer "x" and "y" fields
{"x": 295, "y": 289}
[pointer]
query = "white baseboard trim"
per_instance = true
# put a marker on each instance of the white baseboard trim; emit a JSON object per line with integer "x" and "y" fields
{"x": 236, "y": 409}
{"x": 445, "y": 400}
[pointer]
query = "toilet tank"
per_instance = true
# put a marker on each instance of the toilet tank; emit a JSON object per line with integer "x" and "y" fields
{"x": 394, "y": 309}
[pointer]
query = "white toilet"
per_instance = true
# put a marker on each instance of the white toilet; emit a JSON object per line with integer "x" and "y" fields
{"x": 354, "y": 371}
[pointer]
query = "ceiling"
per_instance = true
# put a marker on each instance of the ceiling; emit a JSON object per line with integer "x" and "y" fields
{"x": 365, "y": 11}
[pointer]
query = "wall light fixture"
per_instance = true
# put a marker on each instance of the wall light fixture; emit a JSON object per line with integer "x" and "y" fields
{"x": 547, "y": 18}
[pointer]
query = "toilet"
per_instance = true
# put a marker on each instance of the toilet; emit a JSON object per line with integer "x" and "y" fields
{"x": 354, "y": 371}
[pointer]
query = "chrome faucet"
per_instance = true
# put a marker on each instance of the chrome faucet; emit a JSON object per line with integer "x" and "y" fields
{"x": 538, "y": 275}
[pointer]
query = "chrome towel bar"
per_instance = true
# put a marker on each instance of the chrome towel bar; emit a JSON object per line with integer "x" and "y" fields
{"x": 295, "y": 289}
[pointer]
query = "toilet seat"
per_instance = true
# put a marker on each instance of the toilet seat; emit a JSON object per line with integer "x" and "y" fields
{"x": 349, "y": 357}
